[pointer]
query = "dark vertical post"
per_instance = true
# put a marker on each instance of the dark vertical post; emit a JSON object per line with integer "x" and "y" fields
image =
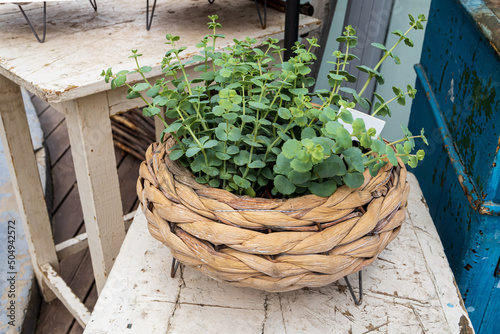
{"x": 291, "y": 26}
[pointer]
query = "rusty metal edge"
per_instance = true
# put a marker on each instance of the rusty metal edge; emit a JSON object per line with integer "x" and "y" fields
{"x": 468, "y": 186}
{"x": 486, "y": 21}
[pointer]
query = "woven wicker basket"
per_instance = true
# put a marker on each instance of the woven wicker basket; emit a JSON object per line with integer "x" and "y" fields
{"x": 270, "y": 244}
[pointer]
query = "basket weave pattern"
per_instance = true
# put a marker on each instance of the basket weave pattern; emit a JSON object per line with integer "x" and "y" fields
{"x": 270, "y": 244}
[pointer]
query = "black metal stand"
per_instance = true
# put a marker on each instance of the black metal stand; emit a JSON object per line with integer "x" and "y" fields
{"x": 149, "y": 20}
{"x": 41, "y": 40}
{"x": 175, "y": 266}
{"x": 31, "y": 26}
{"x": 94, "y": 4}
{"x": 292, "y": 9}
{"x": 263, "y": 24}
{"x": 360, "y": 300}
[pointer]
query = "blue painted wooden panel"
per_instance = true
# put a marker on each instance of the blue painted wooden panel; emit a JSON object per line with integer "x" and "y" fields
{"x": 458, "y": 104}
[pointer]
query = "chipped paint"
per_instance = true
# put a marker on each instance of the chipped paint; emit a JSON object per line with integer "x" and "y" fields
{"x": 486, "y": 21}
{"x": 9, "y": 211}
{"x": 462, "y": 173}
{"x": 63, "y": 71}
{"x": 468, "y": 185}
{"x": 450, "y": 92}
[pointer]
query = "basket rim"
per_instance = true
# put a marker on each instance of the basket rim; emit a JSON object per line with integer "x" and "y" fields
{"x": 170, "y": 142}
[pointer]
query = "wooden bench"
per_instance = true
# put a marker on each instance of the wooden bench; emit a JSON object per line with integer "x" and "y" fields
{"x": 409, "y": 289}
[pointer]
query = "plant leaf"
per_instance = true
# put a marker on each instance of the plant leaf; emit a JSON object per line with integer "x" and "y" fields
{"x": 192, "y": 151}
{"x": 291, "y": 148}
{"x": 354, "y": 179}
{"x": 283, "y": 185}
{"x": 241, "y": 182}
{"x": 323, "y": 189}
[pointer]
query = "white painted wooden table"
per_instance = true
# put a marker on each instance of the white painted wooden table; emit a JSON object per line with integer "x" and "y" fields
{"x": 65, "y": 72}
{"x": 409, "y": 289}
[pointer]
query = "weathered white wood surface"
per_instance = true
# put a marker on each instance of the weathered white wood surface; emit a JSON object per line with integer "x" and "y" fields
{"x": 65, "y": 295}
{"x": 89, "y": 129}
{"x": 81, "y": 43}
{"x": 25, "y": 2}
{"x": 16, "y": 140}
{"x": 409, "y": 289}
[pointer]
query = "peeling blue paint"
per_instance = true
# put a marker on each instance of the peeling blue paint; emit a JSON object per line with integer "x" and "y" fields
{"x": 458, "y": 104}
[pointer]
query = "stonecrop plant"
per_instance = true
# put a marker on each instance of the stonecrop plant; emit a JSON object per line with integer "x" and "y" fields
{"x": 247, "y": 123}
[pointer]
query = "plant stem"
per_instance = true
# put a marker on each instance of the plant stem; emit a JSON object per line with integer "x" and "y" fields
{"x": 387, "y": 53}
{"x": 386, "y": 103}
{"x": 140, "y": 72}
{"x": 393, "y": 143}
{"x": 255, "y": 131}
{"x": 199, "y": 144}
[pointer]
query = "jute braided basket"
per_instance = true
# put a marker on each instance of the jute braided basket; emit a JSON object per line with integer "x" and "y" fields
{"x": 270, "y": 244}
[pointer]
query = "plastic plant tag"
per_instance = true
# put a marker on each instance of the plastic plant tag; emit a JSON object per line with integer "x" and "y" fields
{"x": 370, "y": 122}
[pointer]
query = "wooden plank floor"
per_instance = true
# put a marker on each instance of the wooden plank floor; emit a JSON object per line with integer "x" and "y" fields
{"x": 67, "y": 217}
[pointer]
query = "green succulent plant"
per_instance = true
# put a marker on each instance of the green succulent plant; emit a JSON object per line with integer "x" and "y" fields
{"x": 247, "y": 123}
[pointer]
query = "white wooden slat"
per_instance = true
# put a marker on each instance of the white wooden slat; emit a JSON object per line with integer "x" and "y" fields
{"x": 72, "y": 246}
{"x": 80, "y": 242}
{"x": 18, "y": 148}
{"x": 89, "y": 129}
{"x": 65, "y": 295}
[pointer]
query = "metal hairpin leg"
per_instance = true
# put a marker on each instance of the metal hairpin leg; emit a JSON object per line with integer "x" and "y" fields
{"x": 44, "y": 22}
{"x": 148, "y": 19}
{"x": 94, "y": 4}
{"x": 262, "y": 23}
{"x": 175, "y": 266}
{"x": 360, "y": 300}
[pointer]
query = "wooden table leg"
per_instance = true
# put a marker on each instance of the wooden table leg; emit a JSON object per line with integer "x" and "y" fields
{"x": 89, "y": 129}
{"x": 18, "y": 148}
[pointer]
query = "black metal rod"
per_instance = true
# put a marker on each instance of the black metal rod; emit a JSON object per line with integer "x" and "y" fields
{"x": 291, "y": 26}
{"x": 94, "y": 4}
{"x": 356, "y": 300}
{"x": 175, "y": 266}
{"x": 263, "y": 23}
{"x": 41, "y": 40}
{"x": 149, "y": 20}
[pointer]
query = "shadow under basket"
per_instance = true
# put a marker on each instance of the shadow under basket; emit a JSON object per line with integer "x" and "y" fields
{"x": 270, "y": 244}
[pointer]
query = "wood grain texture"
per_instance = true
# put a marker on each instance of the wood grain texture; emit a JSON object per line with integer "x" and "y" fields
{"x": 68, "y": 222}
{"x": 65, "y": 294}
{"x": 76, "y": 271}
{"x": 14, "y": 133}
{"x": 81, "y": 43}
{"x": 89, "y": 129}
{"x": 409, "y": 289}
{"x": 50, "y": 119}
{"x": 64, "y": 179}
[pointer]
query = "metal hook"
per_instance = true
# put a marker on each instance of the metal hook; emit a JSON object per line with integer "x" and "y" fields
{"x": 31, "y": 26}
{"x": 360, "y": 300}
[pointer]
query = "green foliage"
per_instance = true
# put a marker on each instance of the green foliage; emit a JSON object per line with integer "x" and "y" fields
{"x": 246, "y": 122}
